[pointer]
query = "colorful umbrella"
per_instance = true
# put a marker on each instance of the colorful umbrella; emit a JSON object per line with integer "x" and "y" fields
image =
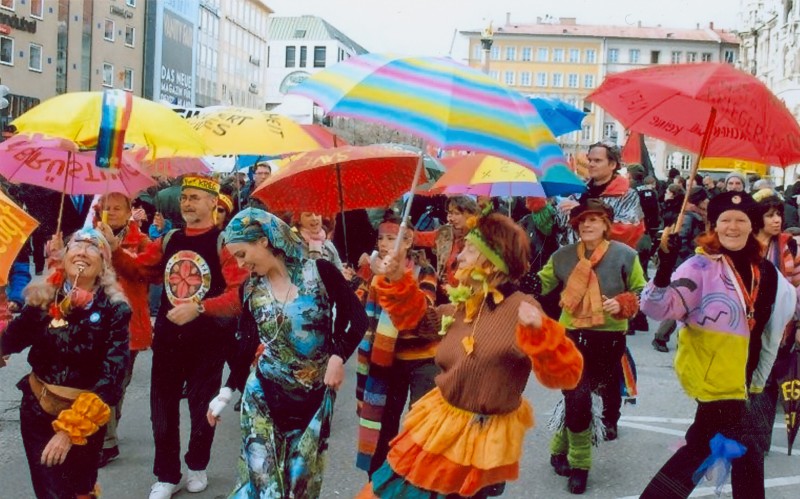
{"x": 559, "y": 116}
{"x": 711, "y": 109}
{"x": 365, "y": 177}
{"x": 324, "y": 136}
{"x": 728, "y": 164}
{"x": 790, "y": 395}
{"x": 484, "y": 175}
{"x": 449, "y": 105}
{"x": 76, "y": 116}
{"x": 175, "y": 167}
{"x": 59, "y": 164}
{"x": 237, "y": 130}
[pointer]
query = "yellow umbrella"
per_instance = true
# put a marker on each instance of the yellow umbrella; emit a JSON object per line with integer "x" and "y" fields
{"x": 236, "y": 130}
{"x": 727, "y": 164}
{"x": 76, "y": 116}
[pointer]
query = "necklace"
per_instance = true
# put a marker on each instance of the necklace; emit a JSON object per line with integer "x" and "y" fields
{"x": 278, "y": 317}
{"x": 469, "y": 341}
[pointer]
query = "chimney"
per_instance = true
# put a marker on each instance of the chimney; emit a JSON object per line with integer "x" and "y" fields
{"x": 508, "y": 18}
{"x": 711, "y": 25}
{"x": 639, "y": 24}
{"x": 538, "y": 19}
{"x": 569, "y": 21}
{"x": 697, "y": 26}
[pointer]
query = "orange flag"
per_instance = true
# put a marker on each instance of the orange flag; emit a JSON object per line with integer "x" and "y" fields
{"x": 15, "y": 228}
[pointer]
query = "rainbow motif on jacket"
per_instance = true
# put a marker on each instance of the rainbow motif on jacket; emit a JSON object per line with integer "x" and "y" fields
{"x": 114, "y": 118}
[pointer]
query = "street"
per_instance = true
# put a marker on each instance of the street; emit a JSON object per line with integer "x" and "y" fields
{"x": 649, "y": 432}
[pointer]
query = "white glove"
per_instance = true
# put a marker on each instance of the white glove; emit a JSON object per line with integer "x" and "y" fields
{"x": 217, "y": 405}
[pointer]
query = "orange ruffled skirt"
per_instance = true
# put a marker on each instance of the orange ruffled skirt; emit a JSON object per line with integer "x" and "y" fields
{"x": 446, "y": 450}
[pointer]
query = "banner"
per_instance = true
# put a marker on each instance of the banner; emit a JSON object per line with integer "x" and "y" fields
{"x": 15, "y": 228}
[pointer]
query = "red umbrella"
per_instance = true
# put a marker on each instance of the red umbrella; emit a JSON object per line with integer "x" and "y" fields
{"x": 324, "y": 136}
{"x": 328, "y": 181}
{"x": 711, "y": 109}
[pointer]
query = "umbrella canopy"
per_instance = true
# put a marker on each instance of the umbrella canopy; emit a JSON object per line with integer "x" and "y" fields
{"x": 17, "y": 227}
{"x": 674, "y": 103}
{"x": 59, "y": 164}
{"x": 238, "y": 130}
{"x": 175, "y": 167}
{"x": 481, "y": 174}
{"x": 329, "y": 181}
{"x": 449, "y": 105}
{"x": 76, "y": 116}
{"x": 324, "y": 136}
{"x": 790, "y": 396}
{"x": 559, "y": 116}
{"x": 728, "y": 164}
{"x": 433, "y": 166}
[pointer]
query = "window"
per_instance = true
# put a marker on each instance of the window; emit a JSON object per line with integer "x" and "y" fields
{"x": 633, "y": 56}
{"x": 303, "y": 56}
{"x": 572, "y": 80}
{"x": 591, "y": 56}
{"x": 613, "y": 56}
{"x": 508, "y": 77}
{"x": 609, "y": 130}
{"x": 290, "y": 56}
{"x": 588, "y": 81}
{"x": 127, "y": 82}
{"x": 541, "y": 54}
{"x": 541, "y": 79}
{"x": 494, "y": 75}
{"x": 511, "y": 53}
{"x": 527, "y": 54}
{"x": 108, "y": 75}
{"x": 655, "y": 55}
{"x": 574, "y": 55}
{"x": 476, "y": 51}
{"x": 35, "y": 57}
{"x": 586, "y": 132}
{"x": 37, "y": 9}
{"x": 676, "y": 57}
{"x": 6, "y": 50}
{"x": 108, "y": 33}
{"x": 706, "y": 56}
{"x": 495, "y": 52}
{"x": 525, "y": 78}
{"x": 130, "y": 3}
{"x": 299, "y": 33}
{"x": 130, "y": 36}
{"x": 558, "y": 80}
{"x": 558, "y": 55}
{"x": 7, "y": 4}
{"x": 728, "y": 55}
{"x": 319, "y": 57}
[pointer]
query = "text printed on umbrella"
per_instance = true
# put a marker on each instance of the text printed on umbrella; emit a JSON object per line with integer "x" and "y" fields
{"x": 54, "y": 168}
{"x": 220, "y": 123}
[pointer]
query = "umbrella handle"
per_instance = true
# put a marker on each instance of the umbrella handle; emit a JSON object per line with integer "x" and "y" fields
{"x": 63, "y": 192}
{"x": 690, "y": 182}
{"x": 407, "y": 209}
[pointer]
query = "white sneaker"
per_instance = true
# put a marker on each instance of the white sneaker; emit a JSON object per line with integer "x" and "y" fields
{"x": 196, "y": 481}
{"x": 164, "y": 490}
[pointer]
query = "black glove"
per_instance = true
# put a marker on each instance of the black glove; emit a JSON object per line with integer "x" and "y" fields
{"x": 667, "y": 261}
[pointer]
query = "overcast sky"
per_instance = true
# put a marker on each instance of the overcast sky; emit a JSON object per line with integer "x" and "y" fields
{"x": 426, "y": 27}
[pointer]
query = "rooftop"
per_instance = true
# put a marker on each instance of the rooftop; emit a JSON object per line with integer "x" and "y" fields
{"x": 309, "y": 28}
{"x": 569, "y": 27}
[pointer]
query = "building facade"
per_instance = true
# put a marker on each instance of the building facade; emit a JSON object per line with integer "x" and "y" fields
{"x": 49, "y": 47}
{"x": 299, "y": 47}
{"x": 562, "y": 59}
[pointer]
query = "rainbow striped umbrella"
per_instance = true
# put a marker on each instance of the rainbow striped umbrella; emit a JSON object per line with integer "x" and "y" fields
{"x": 445, "y": 103}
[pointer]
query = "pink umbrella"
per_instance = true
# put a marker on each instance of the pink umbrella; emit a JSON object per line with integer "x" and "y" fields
{"x": 60, "y": 165}
{"x": 173, "y": 167}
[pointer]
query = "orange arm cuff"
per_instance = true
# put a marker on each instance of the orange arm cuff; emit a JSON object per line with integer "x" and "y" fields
{"x": 557, "y": 363}
{"x": 87, "y": 414}
{"x": 629, "y": 305}
{"x": 402, "y": 300}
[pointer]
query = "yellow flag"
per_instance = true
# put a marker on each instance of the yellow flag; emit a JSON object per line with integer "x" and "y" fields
{"x": 15, "y": 228}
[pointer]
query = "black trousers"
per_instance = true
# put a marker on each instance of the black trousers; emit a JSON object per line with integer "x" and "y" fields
{"x": 76, "y": 475}
{"x": 412, "y": 378}
{"x": 602, "y": 372}
{"x": 197, "y": 361}
{"x": 731, "y": 418}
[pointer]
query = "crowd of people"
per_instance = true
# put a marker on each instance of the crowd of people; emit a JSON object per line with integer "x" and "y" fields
{"x": 449, "y": 319}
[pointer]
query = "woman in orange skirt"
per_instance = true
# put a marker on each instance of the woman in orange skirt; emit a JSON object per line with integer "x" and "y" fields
{"x": 464, "y": 438}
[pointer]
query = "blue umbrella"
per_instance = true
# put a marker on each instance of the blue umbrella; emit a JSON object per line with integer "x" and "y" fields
{"x": 559, "y": 116}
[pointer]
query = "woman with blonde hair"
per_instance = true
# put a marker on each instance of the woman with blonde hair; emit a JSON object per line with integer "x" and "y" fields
{"x": 76, "y": 325}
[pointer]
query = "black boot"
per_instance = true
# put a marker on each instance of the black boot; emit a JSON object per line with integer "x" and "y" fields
{"x": 560, "y": 464}
{"x": 611, "y": 433}
{"x": 577, "y": 481}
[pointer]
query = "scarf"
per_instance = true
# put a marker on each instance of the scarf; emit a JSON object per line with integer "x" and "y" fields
{"x": 581, "y": 296}
{"x": 318, "y": 236}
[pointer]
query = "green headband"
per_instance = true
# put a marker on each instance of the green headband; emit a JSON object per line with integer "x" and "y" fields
{"x": 476, "y": 238}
